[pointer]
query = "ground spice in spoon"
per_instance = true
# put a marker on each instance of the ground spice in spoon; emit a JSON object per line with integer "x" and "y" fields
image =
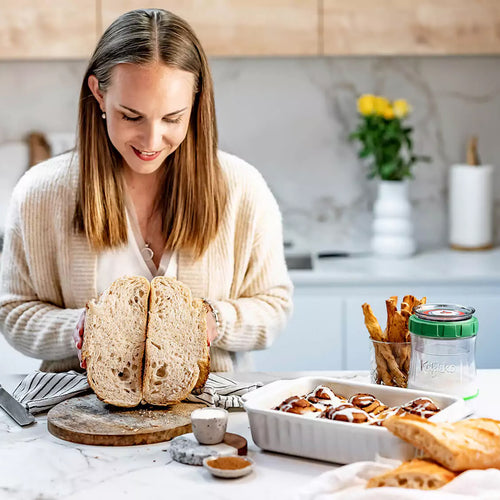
{"x": 228, "y": 463}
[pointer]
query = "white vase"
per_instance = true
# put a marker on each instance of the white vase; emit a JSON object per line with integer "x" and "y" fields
{"x": 392, "y": 223}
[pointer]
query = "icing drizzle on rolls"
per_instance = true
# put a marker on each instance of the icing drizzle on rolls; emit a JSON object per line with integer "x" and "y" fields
{"x": 346, "y": 413}
{"x": 423, "y": 407}
{"x": 361, "y": 408}
{"x": 296, "y": 404}
{"x": 368, "y": 403}
{"x": 323, "y": 397}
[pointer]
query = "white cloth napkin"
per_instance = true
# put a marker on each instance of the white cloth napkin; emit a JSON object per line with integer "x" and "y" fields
{"x": 40, "y": 391}
{"x": 349, "y": 483}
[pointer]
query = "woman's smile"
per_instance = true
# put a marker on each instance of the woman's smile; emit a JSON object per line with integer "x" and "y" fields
{"x": 146, "y": 155}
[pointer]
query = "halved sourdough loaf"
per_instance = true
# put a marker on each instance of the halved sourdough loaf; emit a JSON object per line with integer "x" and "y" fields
{"x": 120, "y": 337}
{"x": 114, "y": 341}
{"x": 177, "y": 356}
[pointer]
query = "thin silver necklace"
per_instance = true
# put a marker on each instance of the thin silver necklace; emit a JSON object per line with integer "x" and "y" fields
{"x": 147, "y": 251}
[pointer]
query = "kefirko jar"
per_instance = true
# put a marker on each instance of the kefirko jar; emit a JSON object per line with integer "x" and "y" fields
{"x": 443, "y": 349}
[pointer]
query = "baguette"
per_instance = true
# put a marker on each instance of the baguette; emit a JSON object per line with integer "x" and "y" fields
{"x": 158, "y": 326}
{"x": 418, "y": 473}
{"x": 114, "y": 340}
{"x": 459, "y": 446}
{"x": 177, "y": 356}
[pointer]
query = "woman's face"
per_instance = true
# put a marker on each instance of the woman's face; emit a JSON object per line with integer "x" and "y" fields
{"x": 147, "y": 112}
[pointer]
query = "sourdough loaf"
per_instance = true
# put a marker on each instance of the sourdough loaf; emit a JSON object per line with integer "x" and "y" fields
{"x": 114, "y": 341}
{"x": 418, "y": 473}
{"x": 159, "y": 326}
{"x": 468, "y": 444}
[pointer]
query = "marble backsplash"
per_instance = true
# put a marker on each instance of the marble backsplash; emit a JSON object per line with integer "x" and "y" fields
{"x": 290, "y": 117}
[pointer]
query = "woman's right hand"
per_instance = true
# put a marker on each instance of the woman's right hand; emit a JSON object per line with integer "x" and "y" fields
{"x": 78, "y": 338}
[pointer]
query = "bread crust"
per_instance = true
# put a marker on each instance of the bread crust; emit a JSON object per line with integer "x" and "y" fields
{"x": 458, "y": 446}
{"x": 418, "y": 473}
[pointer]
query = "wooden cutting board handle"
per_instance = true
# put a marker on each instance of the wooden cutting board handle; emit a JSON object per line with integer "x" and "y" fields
{"x": 88, "y": 420}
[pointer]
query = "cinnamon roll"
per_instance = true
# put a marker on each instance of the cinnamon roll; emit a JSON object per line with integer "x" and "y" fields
{"x": 423, "y": 407}
{"x": 346, "y": 413}
{"x": 297, "y": 405}
{"x": 325, "y": 396}
{"x": 368, "y": 403}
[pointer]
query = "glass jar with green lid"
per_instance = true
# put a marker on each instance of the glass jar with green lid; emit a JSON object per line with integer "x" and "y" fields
{"x": 443, "y": 349}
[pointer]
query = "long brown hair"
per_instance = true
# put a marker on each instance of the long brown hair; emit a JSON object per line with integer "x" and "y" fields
{"x": 193, "y": 195}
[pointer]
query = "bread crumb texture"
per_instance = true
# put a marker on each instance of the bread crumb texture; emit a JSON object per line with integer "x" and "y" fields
{"x": 176, "y": 342}
{"x": 114, "y": 341}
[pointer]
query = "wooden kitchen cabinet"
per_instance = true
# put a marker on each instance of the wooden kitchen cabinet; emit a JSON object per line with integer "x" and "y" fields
{"x": 410, "y": 27}
{"x": 312, "y": 340}
{"x": 240, "y": 28}
{"x": 55, "y": 29}
{"x": 59, "y": 29}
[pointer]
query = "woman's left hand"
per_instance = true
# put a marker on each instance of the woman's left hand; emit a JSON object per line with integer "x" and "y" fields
{"x": 78, "y": 338}
{"x": 211, "y": 328}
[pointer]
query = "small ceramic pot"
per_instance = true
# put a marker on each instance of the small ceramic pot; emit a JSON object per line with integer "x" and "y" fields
{"x": 209, "y": 425}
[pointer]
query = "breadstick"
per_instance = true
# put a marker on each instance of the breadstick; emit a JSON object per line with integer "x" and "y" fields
{"x": 423, "y": 300}
{"x": 392, "y": 366}
{"x": 406, "y": 313}
{"x": 391, "y": 329}
{"x": 372, "y": 323}
{"x": 377, "y": 334}
{"x": 406, "y": 363}
{"x": 399, "y": 327}
{"x": 410, "y": 300}
{"x": 382, "y": 371}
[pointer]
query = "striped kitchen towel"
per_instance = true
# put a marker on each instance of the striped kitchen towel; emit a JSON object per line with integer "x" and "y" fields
{"x": 222, "y": 391}
{"x": 40, "y": 391}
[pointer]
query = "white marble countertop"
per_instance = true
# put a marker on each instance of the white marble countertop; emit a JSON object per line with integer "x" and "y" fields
{"x": 37, "y": 465}
{"x": 431, "y": 267}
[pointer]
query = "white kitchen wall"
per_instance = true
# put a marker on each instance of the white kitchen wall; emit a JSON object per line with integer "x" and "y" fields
{"x": 291, "y": 118}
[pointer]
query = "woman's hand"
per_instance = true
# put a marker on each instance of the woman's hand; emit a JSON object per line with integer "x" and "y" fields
{"x": 212, "y": 332}
{"x": 78, "y": 338}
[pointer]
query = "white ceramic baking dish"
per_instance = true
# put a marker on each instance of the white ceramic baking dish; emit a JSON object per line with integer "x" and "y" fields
{"x": 334, "y": 441}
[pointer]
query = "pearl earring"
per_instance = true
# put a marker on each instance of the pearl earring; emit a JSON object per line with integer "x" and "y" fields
{"x": 103, "y": 116}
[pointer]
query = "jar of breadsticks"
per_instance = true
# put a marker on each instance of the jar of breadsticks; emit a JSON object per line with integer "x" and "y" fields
{"x": 390, "y": 348}
{"x": 443, "y": 343}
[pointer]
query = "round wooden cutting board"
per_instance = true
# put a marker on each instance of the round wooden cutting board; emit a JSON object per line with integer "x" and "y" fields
{"x": 88, "y": 420}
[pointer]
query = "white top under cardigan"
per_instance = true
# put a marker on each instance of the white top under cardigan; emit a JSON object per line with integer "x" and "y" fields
{"x": 130, "y": 260}
{"x": 49, "y": 271}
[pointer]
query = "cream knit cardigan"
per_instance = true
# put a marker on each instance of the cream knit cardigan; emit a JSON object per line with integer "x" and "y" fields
{"x": 49, "y": 271}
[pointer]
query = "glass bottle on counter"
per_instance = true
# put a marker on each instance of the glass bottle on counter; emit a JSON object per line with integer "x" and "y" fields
{"x": 443, "y": 348}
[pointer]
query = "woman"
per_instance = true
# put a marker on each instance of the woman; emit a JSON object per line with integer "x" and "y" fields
{"x": 146, "y": 193}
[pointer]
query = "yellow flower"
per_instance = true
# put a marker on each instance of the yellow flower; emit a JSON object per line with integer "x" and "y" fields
{"x": 366, "y": 104}
{"x": 389, "y": 113}
{"x": 381, "y": 104}
{"x": 401, "y": 108}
